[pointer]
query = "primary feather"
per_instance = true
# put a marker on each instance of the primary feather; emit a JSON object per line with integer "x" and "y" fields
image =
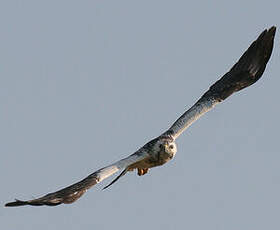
{"x": 244, "y": 73}
{"x": 75, "y": 191}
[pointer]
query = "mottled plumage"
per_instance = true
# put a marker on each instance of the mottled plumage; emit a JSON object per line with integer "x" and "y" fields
{"x": 160, "y": 150}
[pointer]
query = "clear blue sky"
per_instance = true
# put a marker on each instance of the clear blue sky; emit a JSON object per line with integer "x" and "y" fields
{"x": 85, "y": 83}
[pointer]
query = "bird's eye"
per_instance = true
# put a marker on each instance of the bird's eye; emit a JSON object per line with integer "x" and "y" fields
{"x": 171, "y": 146}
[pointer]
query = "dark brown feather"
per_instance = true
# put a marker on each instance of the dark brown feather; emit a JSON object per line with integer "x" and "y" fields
{"x": 247, "y": 70}
{"x": 66, "y": 195}
{"x": 244, "y": 73}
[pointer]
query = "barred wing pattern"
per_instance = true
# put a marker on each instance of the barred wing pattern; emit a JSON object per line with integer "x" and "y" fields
{"x": 244, "y": 73}
{"x": 75, "y": 191}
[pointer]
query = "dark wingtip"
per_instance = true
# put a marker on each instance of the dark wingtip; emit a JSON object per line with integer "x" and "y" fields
{"x": 273, "y": 29}
{"x": 32, "y": 203}
{"x": 248, "y": 70}
{"x": 270, "y": 31}
{"x": 16, "y": 203}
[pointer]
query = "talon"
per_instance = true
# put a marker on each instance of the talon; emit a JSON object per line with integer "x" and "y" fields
{"x": 142, "y": 172}
{"x": 145, "y": 171}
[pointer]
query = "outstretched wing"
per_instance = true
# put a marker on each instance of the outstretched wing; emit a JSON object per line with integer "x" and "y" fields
{"x": 244, "y": 73}
{"x": 75, "y": 191}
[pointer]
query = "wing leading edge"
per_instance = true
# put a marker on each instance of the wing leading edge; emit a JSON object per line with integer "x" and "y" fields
{"x": 75, "y": 191}
{"x": 244, "y": 73}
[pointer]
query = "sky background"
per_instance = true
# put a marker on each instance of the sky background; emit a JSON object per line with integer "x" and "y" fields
{"x": 85, "y": 83}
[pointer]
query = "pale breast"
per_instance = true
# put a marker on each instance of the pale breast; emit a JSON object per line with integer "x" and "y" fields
{"x": 153, "y": 161}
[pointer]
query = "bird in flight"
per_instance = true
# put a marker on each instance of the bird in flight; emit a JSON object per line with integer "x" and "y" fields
{"x": 160, "y": 150}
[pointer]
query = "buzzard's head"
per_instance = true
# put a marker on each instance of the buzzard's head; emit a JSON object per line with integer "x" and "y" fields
{"x": 167, "y": 148}
{"x": 170, "y": 148}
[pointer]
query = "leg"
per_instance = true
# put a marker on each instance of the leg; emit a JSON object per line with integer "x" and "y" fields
{"x": 142, "y": 172}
